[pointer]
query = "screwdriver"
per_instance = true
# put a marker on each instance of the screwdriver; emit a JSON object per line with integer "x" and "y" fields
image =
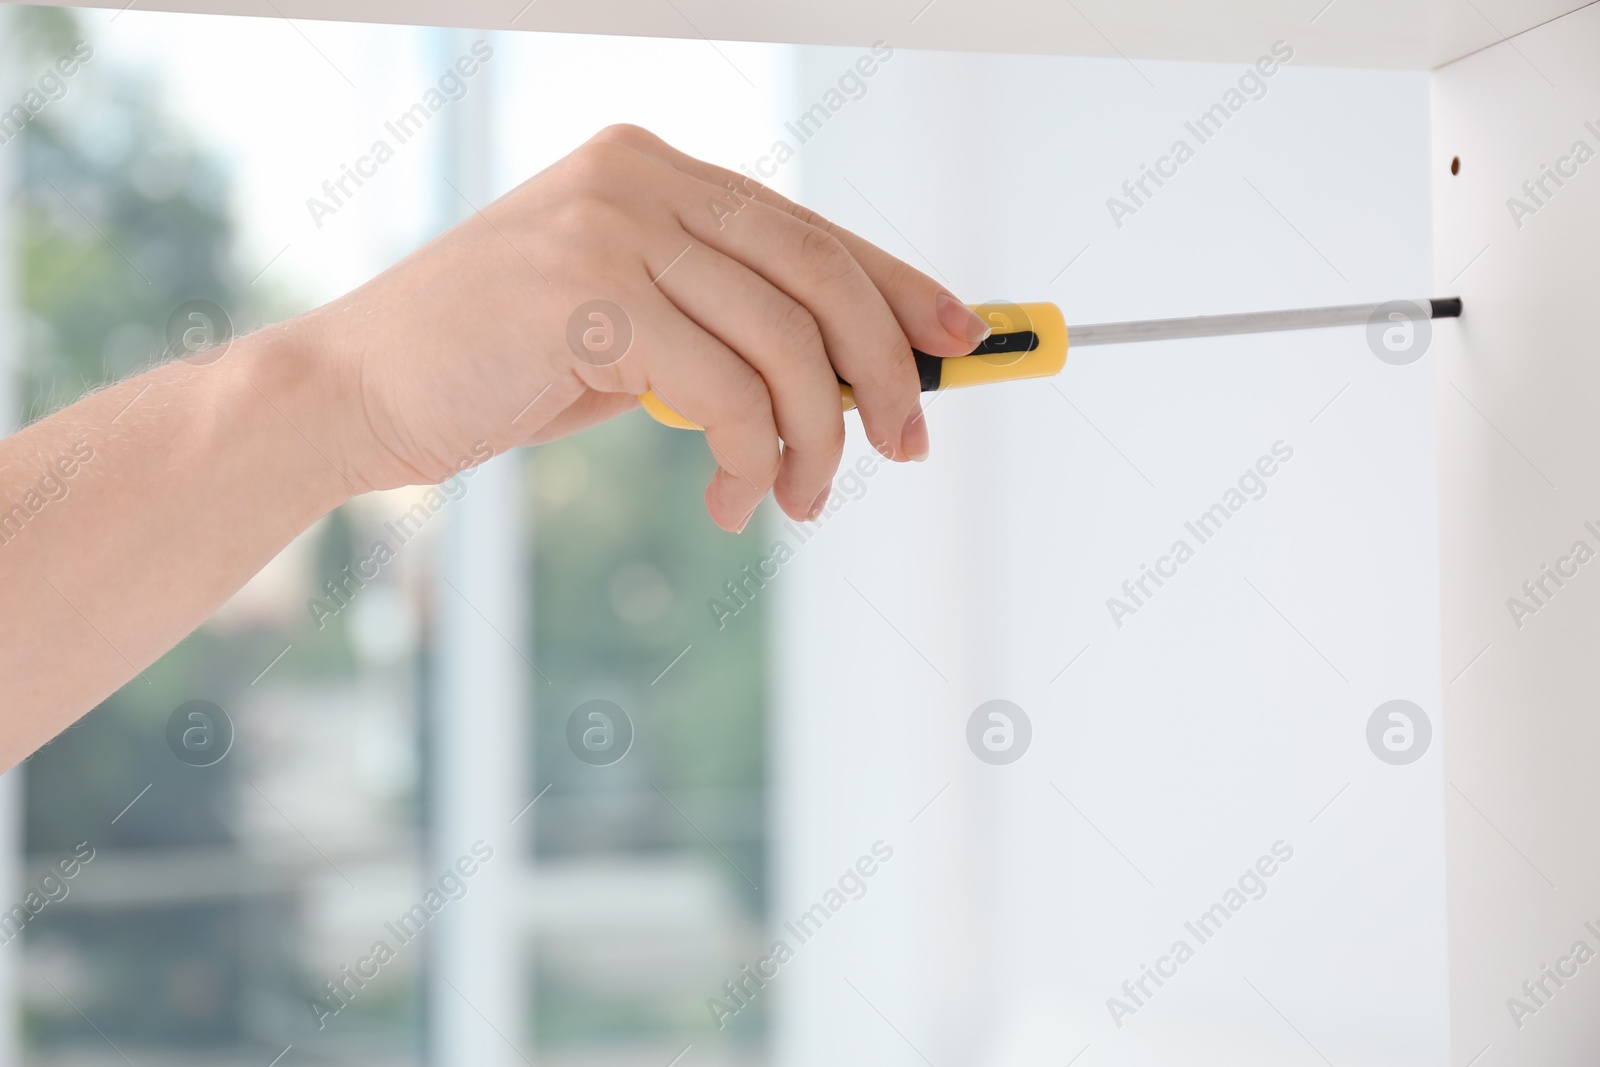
{"x": 1030, "y": 340}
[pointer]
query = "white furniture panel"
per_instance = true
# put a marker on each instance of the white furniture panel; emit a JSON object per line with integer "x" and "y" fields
{"x": 1518, "y": 389}
{"x": 1367, "y": 33}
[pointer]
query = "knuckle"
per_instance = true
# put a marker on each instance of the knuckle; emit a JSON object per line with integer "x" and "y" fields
{"x": 807, "y": 216}
{"x": 891, "y": 379}
{"x": 589, "y": 220}
{"x": 835, "y": 439}
{"x": 750, "y": 399}
{"x": 797, "y": 329}
{"x": 626, "y": 133}
{"x": 902, "y": 275}
{"x": 753, "y": 407}
{"x": 599, "y": 166}
{"x": 826, "y": 255}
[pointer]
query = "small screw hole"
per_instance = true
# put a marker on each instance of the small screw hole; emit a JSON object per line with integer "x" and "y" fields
{"x": 1455, "y": 165}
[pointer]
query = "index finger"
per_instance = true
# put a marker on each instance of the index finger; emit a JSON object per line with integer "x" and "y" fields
{"x": 932, "y": 318}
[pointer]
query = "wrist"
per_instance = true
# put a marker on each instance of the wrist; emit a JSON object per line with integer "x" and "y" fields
{"x": 290, "y": 392}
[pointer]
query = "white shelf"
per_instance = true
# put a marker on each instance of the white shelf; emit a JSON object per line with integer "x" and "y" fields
{"x": 1417, "y": 34}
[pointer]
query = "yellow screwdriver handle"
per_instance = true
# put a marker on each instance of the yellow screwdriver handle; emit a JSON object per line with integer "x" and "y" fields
{"x": 1029, "y": 341}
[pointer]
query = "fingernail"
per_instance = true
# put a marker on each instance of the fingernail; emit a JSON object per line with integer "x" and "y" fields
{"x": 746, "y": 521}
{"x": 960, "y": 321}
{"x": 914, "y": 438}
{"x": 818, "y": 504}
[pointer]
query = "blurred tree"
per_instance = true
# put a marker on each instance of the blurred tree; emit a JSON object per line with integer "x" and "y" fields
{"x": 121, "y": 218}
{"x": 107, "y": 179}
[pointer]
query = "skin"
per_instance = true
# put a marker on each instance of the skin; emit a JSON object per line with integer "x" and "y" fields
{"x": 745, "y": 310}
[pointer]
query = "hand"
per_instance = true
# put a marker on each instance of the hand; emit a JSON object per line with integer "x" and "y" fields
{"x": 745, "y": 311}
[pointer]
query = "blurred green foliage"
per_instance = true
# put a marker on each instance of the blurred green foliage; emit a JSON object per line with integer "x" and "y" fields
{"x": 121, "y": 218}
{"x": 105, "y": 175}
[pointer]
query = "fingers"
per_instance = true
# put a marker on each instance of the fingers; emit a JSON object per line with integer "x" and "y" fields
{"x": 932, "y": 318}
{"x": 782, "y": 341}
{"x": 953, "y": 329}
{"x": 748, "y": 329}
{"x": 863, "y": 341}
{"x": 699, "y": 376}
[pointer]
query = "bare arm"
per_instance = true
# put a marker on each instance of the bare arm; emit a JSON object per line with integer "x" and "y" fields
{"x": 135, "y": 513}
{"x": 128, "y": 518}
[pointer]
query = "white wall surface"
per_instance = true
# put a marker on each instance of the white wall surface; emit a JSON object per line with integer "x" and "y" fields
{"x": 1231, "y": 710}
{"x": 1517, "y": 391}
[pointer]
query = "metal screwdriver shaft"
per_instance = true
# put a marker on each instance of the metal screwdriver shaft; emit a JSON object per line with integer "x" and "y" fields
{"x": 1116, "y": 333}
{"x": 1031, "y": 341}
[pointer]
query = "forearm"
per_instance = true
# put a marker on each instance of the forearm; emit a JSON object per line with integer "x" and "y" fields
{"x": 128, "y": 518}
